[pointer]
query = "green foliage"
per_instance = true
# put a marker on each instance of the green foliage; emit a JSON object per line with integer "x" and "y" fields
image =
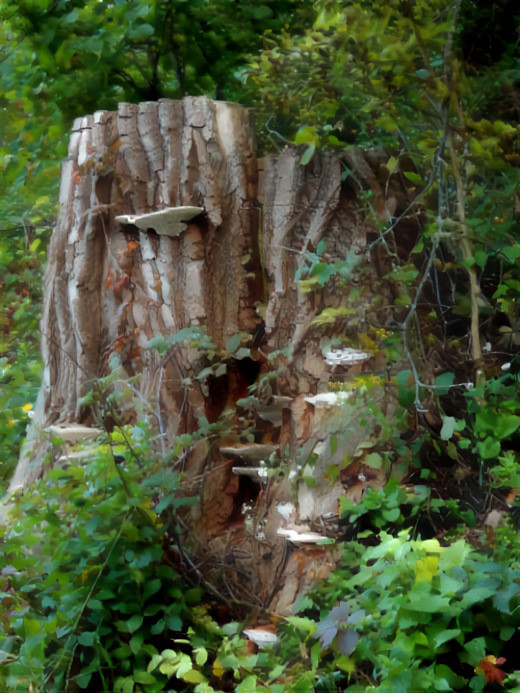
{"x": 404, "y": 76}
{"x": 91, "y": 55}
{"x": 61, "y": 60}
{"x": 91, "y": 597}
{"x": 432, "y": 612}
{"x": 21, "y": 259}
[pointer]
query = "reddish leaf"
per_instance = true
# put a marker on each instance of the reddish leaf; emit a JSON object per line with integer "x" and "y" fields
{"x": 489, "y": 667}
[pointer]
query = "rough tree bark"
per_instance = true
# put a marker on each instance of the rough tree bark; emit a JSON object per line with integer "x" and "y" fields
{"x": 111, "y": 287}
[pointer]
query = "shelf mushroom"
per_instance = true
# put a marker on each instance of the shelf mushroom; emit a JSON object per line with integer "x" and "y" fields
{"x": 166, "y": 222}
{"x": 249, "y": 453}
{"x": 346, "y": 357}
{"x": 73, "y": 433}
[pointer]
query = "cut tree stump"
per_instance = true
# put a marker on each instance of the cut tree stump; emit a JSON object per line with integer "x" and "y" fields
{"x": 122, "y": 270}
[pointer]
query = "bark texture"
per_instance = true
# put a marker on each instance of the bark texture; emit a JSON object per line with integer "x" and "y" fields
{"x": 110, "y": 288}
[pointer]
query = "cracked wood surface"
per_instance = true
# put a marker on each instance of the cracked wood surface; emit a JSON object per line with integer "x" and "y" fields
{"x": 110, "y": 288}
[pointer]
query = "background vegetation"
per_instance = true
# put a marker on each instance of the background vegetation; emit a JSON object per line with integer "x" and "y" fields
{"x": 427, "y": 596}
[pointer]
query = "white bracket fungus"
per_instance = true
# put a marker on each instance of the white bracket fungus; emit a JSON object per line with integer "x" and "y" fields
{"x": 73, "y": 433}
{"x": 296, "y": 537}
{"x": 346, "y": 357}
{"x": 254, "y": 452}
{"x": 254, "y": 473}
{"x": 166, "y": 222}
{"x": 329, "y": 399}
{"x": 271, "y": 411}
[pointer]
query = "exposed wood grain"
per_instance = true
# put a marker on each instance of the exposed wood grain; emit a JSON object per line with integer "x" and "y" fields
{"x": 110, "y": 288}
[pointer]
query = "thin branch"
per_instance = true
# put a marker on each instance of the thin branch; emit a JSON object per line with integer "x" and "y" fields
{"x": 468, "y": 255}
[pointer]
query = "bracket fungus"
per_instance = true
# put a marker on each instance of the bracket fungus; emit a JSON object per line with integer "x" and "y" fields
{"x": 73, "y": 433}
{"x": 329, "y": 399}
{"x": 300, "y": 537}
{"x": 166, "y": 222}
{"x": 269, "y": 411}
{"x": 251, "y": 453}
{"x": 254, "y": 473}
{"x": 346, "y": 357}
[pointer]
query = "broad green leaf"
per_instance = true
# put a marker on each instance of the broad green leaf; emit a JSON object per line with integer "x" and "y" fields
{"x": 426, "y": 568}
{"x": 454, "y": 555}
{"x": 502, "y": 599}
{"x": 194, "y": 676}
{"x": 141, "y": 676}
{"x": 233, "y": 342}
{"x": 201, "y": 656}
{"x": 429, "y": 603}
{"x": 449, "y": 424}
{"x": 443, "y": 383}
{"x": 446, "y": 635}
{"x": 489, "y": 448}
{"x": 415, "y": 178}
{"x": 392, "y": 164}
{"x": 87, "y": 639}
{"x": 374, "y": 460}
{"x": 307, "y": 155}
{"x": 476, "y": 595}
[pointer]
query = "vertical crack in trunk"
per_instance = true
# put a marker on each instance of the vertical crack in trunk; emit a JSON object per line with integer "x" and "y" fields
{"x": 111, "y": 287}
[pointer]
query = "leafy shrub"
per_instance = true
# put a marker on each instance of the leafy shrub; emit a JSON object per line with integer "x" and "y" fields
{"x": 87, "y": 587}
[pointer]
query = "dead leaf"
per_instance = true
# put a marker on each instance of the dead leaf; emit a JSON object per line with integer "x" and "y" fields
{"x": 489, "y": 667}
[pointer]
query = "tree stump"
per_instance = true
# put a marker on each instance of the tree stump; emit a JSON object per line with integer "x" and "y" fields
{"x": 255, "y": 356}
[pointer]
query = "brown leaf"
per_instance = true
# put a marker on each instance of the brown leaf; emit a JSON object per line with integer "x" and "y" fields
{"x": 489, "y": 667}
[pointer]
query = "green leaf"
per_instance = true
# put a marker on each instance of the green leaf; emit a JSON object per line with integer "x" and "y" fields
{"x": 136, "y": 642}
{"x": 151, "y": 587}
{"x": 158, "y": 343}
{"x": 233, "y": 343}
{"x": 414, "y": 178}
{"x": 144, "y": 677}
{"x": 502, "y": 599}
{"x": 184, "y": 665}
{"x": 32, "y": 627}
{"x": 321, "y": 247}
{"x": 403, "y": 376}
{"x": 391, "y": 515}
{"x": 476, "y": 594}
{"x": 307, "y": 134}
{"x": 392, "y": 164}
{"x": 489, "y": 448}
{"x": 476, "y": 651}
{"x": 87, "y": 638}
{"x": 248, "y": 685}
{"x": 374, "y": 460}
{"x": 454, "y": 555}
{"x": 124, "y": 685}
{"x": 426, "y": 568}
{"x": 131, "y": 625}
{"x": 428, "y": 603}
{"x": 446, "y": 635}
{"x": 201, "y": 655}
{"x": 304, "y": 625}
{"x": 307, "y": 155}
{"x": 500, "y": 425}
{"x": 507, "y": 632}
{"x": 194, "y": 676}
{"x": 443, "y": 382}
{"x": 448, "y": 427}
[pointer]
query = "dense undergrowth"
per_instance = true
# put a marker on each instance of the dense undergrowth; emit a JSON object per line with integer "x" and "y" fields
{"x": 97, "y": 596}
{"x": 427, "y": 594}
